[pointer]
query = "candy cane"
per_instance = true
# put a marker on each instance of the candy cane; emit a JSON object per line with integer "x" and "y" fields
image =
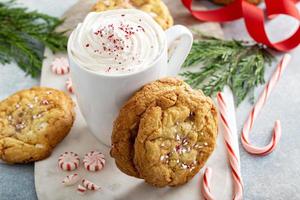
{"x": 230, "y": 143}
{"x": 206, "y": 185}
{"x": 261, "y": 151}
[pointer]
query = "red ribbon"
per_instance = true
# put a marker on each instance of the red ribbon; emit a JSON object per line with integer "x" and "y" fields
{"x": 254, "y": 19}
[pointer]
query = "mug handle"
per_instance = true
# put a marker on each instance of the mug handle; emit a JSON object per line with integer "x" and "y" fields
{"x": 184, "y": 37}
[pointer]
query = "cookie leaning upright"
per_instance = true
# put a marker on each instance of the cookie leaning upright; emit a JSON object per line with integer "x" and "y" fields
{"x": 127, "y": 123}
{"x": 33, "y": 122}
{"x": 156, "y": 8}
{"x": 168, "y": 113}
{"x": 174, "y": 141}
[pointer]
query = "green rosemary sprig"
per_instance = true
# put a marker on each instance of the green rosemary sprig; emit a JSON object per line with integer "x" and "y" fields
{"x": 23, "y": 34}
{"x": 238, "y": 64}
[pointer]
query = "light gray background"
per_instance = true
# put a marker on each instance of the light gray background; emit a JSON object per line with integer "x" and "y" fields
{"x": 276, "y": 176}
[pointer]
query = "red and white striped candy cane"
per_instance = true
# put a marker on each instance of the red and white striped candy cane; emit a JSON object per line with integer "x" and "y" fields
{"x": 206, "y": 185}
{"x": 230, "y": 144}
{"x": 256, "y": 109}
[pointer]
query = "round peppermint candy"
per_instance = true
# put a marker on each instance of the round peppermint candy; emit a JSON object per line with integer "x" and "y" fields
{"x": 60, "y": 66}
{"x": 68, "y": 161}
{"x": 94, "y": 161}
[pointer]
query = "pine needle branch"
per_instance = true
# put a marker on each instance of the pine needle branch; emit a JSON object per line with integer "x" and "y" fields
{"x": 23, "y": 35}
{"x": 238, "y": 64}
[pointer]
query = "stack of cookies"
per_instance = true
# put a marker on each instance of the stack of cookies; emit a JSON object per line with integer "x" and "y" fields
{"x": 164, "y": 133}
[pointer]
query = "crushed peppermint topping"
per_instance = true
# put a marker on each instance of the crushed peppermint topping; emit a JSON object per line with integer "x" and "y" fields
{"x": 184, "y": 166}
{"x": 116, "y": 40}
{"x": 43, "y": 125}
{"x": 20, "y": 126}
{"x": 37, "y": 116}
{"x": 198, "y": 146}
{"x": 45, "y": 102}
{"x": 185, "y": 141}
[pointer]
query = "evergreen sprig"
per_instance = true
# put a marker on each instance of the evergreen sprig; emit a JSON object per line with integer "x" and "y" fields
{"x": 238, "y": 64}
{"x": 23, "y": 34}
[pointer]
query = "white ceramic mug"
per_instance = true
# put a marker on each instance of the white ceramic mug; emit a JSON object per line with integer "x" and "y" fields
{"x": 100, "y": 96}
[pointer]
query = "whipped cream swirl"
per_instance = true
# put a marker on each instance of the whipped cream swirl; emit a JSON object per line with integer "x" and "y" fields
{"x": 117, "y": 42}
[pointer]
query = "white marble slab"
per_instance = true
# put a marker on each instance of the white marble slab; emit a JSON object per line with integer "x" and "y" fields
{"x": 115, "y": 185}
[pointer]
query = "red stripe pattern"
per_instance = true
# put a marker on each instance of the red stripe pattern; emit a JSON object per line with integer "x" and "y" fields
{"x": 206, "y": 184}
{"x": 60, "y": 66}
{"x": 69, "y": 85}
{"x": 68, "y": 161}
{"x": 261, "y": 151}
{"x": 234, "y": 159}
{"x": 81, "y": 190}
{"x": 254, "y": 19}
{"x": 93, "y": 161}
{"x": 90, "y": 185}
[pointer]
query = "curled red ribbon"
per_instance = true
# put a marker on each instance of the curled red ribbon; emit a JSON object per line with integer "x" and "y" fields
{"x": 254, "y": 19}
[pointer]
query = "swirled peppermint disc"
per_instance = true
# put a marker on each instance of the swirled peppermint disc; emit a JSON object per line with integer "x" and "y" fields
{"x": 93, "y": 161}
{"x": 60, "y": 66}
{"x": 68, "y": 161}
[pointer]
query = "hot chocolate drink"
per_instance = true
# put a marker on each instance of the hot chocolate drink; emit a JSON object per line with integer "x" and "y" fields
{"x": 117, "y": 42}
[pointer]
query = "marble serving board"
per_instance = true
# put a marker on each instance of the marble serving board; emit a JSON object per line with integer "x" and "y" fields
{"x": 114, "y": 184}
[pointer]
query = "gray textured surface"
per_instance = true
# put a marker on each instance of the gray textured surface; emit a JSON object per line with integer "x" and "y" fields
{"x": 17, "y": 181}
{"x": 276, "y": 176}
